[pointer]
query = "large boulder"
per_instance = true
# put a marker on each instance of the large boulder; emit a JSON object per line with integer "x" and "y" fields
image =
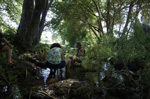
{"x": 72, "y": 88}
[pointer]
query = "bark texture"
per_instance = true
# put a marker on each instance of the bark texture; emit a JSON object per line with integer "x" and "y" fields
{"x": 32, "y": 23}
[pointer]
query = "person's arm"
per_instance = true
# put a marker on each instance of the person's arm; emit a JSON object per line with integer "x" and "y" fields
{"x": 62, "y": 54}
{"x": 6, "y": 42}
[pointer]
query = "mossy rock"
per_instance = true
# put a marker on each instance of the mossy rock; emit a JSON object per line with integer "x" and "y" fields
{"x": 80, "y": 91}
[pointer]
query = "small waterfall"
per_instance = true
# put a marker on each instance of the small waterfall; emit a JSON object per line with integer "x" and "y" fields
{"x": 45, "y": 74}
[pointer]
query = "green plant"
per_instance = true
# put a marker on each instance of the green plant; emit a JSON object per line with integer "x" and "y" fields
{"x": 132, "y": 48}
{"x": 7, "y": 78}
{"x": 100, "y": 52}
{"x": 41, "y": 50}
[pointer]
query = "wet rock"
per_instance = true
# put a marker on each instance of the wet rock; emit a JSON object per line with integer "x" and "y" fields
{"x": 121, "y": 85}
{"x": 80, "y": 90}
{"x": 63, "y": 87}
{"x": 72, "y": 88}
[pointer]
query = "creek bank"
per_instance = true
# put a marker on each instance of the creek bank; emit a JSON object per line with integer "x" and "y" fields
{"x": 81, "y": 84}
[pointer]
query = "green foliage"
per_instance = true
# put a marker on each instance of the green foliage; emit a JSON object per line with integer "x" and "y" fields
{"x": 41, "y": 50}
{"x": 6, "y": 78}
{"x": 9, "y": 34}
{"x": 2, "y": 58}
{"x": 69, "y": 51}
{"x": 78, "y": 18}
{"x": 41, "y": 47}
{"x": 11, "y": 10}
{"x": 67, "y": 20}
{"x": 21, "y": 74}
{"x": 76, "y": 31}
{"x": 97, "y": 53}
{"x": 145, "y": 75}
{"x": 14, "y": 78}
{"x": 133, "y": 49}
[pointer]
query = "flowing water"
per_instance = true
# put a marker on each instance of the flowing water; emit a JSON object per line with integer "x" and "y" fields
{"x": 45, "y": 74}
{"x": 12, "y": 92}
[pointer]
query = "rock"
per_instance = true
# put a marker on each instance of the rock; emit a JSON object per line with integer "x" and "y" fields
{"x": 72, "y": 88}
{"x": 63, "y": 87}
{"x": 80, "y": 92}
{"x": 123, "y": 88}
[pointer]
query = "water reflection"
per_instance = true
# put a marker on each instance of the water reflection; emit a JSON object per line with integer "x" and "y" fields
{"x": 61, "y": 73}
{"x": 5, "y": 89}
{"x": 45, "y": 74}
{"x": 16, "y": 92}
{"x": 118, "y": 76}
{"x": 115, "y": 74}
{"x": 13, "y": 91}
{"x": 105, "y": 67}
{"x": 48, "y": 78}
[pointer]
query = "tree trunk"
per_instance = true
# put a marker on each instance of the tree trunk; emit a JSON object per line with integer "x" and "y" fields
{"x": 108, "y": 17}
{"x": 27, "y": 11}
{"x": 35, "y": 22}
{"x": 37, "y": 35}
{"x": 128, "y": 18}
{"x": 31, "y": 24}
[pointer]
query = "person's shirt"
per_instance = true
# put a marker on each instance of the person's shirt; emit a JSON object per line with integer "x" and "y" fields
{"x": 1, "y": 38}
{"x": 54, "y": 55}
{"x": 80, "y": 53}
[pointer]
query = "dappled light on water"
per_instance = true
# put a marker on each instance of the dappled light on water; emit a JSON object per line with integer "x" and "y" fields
{"x": 45, "y": 73}
{"x": 12, "y": 91}
{"x": 5, "y": 89}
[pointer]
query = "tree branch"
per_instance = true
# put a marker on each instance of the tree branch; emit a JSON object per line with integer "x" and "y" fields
{"x": 89, "y": 23}
{"x": 128, "y": 17}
